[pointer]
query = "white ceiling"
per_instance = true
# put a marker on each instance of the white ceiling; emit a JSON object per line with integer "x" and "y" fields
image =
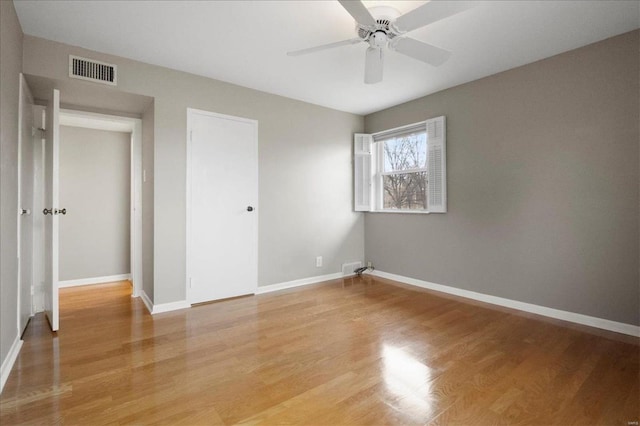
{"x": 245, "y": 42}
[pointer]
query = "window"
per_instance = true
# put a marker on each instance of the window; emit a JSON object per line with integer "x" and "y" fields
{"x": 402, "y": 169}
{"x": 403, "y": 172}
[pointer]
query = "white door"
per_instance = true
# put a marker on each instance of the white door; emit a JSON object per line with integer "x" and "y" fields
{"x": 51, "y": 160}
{"x": 25, "y": 206}
{"x": 222, "y": 207}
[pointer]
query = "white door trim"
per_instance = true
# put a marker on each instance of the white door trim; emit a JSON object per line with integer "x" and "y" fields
{"x": 38, "y": 243}
{"x": 19, "y": 227}
{"x": 92, "y": 120}
{"x": 190, "y": 113}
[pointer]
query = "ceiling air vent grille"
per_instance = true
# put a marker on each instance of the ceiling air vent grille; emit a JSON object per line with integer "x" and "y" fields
{"x": 96, "y": 71}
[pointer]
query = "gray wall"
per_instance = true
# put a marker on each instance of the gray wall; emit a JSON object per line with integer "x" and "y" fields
{"x": 542, "y": 184}
{"x": 95, "y": 188}
{"x": 10, "y": 67}
{"x": 147, "y": 201}
{"x": 305, "y": 195}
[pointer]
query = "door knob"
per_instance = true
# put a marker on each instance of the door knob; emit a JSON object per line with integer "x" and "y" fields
{"x": 62, "y": 211}
{"x": 47, "y": 211}
{"x": 25, "y": 211}
{"x": 249, "y": 209}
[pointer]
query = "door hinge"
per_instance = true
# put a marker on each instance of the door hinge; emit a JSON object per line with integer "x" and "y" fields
{"x": 36, "y": 130}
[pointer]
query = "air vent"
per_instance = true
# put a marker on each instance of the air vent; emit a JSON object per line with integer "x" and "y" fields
{"x": 96, "y": 71}
{"x": 349, "y": 269}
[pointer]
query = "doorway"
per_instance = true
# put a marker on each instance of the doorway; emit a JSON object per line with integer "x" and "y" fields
{"x": 57, "y": 213}
{"x": 222, "y": 196}
{"x": 100, "y": 231}
{"x": 103, "y": 106}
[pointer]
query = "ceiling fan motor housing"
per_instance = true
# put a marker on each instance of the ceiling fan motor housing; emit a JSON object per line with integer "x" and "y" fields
{"x": 379, "y": 35}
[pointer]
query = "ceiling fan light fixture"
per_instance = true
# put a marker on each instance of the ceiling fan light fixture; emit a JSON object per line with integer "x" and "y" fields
{"x": 378, "y": 39}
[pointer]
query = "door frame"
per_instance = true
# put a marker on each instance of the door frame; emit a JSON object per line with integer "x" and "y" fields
{"x": 190, "y": 113}
{"x": 92, "y": 120}
{"x": 38, "y": 246}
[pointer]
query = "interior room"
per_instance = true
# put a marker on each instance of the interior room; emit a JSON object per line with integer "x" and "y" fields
{"x": 90, "y": 159}
{"x": 328, "y": 212}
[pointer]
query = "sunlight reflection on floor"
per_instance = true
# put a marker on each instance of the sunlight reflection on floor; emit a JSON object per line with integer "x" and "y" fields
{"x": 408, "y": 380}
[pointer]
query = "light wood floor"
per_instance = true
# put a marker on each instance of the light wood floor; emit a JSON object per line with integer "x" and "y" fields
{"x": 365, "y": 353}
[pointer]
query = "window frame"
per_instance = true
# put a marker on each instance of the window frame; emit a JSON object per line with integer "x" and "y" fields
{"x": 367, "y": 164}
{"x": 378, "y": 161}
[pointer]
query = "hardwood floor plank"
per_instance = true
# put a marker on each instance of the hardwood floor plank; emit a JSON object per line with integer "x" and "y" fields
{"x": 354, "y": 352}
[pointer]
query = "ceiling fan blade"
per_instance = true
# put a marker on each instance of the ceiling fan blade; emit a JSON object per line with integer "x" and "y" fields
{"x": 359, "y": 12}
{"x": 324, "y": 47}
{"x": 373, "y": 66}
{"x": 421, "y": 51}
{"x": 429, "y": 13}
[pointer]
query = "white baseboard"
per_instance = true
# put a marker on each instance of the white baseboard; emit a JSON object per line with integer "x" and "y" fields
{"x": 94, "y": 280}
{"x": 8, "y": 362}
{"x": 162, "y": 307}
{"x": 147, "y": 302}
{"x": 168, "y": 307}
{"x": 298, "y": 283}
{"x": 605, "y": 324}
{"x": 183, "y": 304}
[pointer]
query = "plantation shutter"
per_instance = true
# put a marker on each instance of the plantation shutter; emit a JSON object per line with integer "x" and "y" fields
{"x": 362, "y": 172}
{"x": 437, "y": 169}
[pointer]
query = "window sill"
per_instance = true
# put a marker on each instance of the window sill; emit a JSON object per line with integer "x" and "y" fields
{"x": 401, "y": 211}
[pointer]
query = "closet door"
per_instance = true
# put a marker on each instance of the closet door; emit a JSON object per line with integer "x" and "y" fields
{"x": 222, "y": 216}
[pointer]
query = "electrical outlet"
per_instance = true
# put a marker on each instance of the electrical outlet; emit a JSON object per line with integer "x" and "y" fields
{"x": 318, "y": 261}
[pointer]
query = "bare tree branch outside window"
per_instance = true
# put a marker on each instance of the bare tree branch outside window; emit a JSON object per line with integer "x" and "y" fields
{"x": 404, "y": 176}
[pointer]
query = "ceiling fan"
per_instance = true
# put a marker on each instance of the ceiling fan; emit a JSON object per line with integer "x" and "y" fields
{"x": 387, "y": 30}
